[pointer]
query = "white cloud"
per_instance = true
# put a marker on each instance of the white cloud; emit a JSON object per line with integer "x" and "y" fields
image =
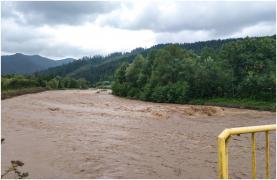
{"x": 260, "y": 29}
{"x": 102, "y": 39}
{"x": 183, "y": 36}
{"x": 75, "y": 41}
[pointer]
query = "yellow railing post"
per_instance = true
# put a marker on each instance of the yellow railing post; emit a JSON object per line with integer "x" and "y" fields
{"x": 253, "y": 142}
{"x": 223, "y": 155}
{"x": 225, "y": 135}
{"x": 267, "y": 155}
{"x": 222, "y": 159}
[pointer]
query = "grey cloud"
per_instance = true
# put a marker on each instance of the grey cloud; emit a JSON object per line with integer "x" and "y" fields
{"x": 220, "y": 17}
{"x": 29, "y": 40}
{"x": 55, "y": 12}
{"x": 180, "y": 22}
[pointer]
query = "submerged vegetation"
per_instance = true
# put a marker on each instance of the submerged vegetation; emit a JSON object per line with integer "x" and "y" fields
{"x": 244, "y": 69}
{"x": 14, "y": 168}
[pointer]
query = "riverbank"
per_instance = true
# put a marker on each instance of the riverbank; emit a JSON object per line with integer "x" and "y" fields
{"x": 237, "y": 103}
{"x": 9, "y": 93}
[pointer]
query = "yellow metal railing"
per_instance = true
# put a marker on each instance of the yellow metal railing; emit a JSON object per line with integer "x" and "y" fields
{"x": 224, "y": 137}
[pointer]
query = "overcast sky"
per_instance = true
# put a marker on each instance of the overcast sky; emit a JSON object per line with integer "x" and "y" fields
{"x": 76, "y": 29}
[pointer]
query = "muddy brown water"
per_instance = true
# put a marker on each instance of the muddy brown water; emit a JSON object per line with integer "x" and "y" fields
{"x": 93, "y": 134}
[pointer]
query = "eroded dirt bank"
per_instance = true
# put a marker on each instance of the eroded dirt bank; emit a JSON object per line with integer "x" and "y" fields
{"x": 93, "y": 134}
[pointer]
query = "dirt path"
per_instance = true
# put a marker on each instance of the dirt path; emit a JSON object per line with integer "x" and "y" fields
{"x": 92, "y": 134}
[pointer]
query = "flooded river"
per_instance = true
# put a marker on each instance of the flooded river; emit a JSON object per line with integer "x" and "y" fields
{"x": 93, "y": 134}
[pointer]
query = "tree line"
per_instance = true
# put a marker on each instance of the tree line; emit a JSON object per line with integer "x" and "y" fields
{"x": 102, "y": 68}
{"x": 244, "y": 68}
{"x": 12, "y": 81}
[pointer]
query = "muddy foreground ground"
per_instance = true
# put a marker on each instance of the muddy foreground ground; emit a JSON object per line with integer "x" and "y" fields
{"x": 93, "y": 134}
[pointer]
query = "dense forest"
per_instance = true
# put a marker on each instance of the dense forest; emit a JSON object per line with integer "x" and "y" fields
{"x": 240, "y": 69}
{"x": 102, "y": 68}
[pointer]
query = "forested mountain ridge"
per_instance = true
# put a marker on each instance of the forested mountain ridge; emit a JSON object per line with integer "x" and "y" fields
{"x": 26, "y": 64}
{"x": 242, "y": 69}
{"x": 98, "y": 68}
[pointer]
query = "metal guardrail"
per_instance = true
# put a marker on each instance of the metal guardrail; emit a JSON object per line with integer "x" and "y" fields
{"x": 224, "y": 137}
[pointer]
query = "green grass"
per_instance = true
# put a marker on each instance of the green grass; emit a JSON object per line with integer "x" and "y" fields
{"x": 238, "y": 103}
{"x": 17, "y": 92}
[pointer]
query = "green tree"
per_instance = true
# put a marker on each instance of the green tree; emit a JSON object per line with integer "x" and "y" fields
{"x": 53, "y": 84}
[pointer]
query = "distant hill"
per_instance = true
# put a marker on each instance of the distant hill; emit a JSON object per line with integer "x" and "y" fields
{"x": 25, "y": 64}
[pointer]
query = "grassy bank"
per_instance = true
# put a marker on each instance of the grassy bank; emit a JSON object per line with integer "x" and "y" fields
{"x": 17, "y": 92}
{"x": 238, "y": 103}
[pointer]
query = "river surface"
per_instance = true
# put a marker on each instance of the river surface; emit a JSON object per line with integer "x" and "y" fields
{"x": 93, "y": 134}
